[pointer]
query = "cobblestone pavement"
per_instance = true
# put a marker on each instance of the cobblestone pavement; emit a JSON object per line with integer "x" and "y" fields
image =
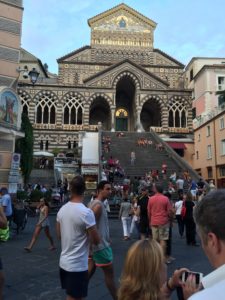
{"x": 34, "y": 276}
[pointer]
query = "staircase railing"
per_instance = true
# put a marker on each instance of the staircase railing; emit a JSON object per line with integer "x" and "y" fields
{"x": 179, "y": 161}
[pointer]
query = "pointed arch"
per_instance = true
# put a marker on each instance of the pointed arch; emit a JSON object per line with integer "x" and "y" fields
{"x": 25, "y": 101}
{"x": 45, "y": 107}
{"x": 178, "y": 112}
{"x": 73, "y": 108}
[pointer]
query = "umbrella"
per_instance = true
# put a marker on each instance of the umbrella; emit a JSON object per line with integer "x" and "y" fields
{"x": 43, "y": 153}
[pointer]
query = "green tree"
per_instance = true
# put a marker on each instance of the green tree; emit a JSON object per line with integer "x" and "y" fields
{"x": 24, "y": 146}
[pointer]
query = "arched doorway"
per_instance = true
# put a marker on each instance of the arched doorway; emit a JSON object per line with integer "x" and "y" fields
{"x": 151, "y": 114}
{"x": 100, "y": 112}
{"x": 121, "y": 119}
{"x": 125, "y": 103}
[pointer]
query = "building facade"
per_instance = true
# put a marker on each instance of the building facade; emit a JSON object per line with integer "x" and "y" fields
{"x": 120, "y": 80}
{"x": 206, "y": 76}
{"x": 11, "y": 12}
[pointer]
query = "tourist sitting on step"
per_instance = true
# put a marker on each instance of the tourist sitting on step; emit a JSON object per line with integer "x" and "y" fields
{"x": 111, "y": 162}
{"x": 159, "y": 147}
{"x": 150, "y": 143}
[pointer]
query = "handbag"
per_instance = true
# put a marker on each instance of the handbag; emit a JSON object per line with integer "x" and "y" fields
{"x": 183, "y": 210}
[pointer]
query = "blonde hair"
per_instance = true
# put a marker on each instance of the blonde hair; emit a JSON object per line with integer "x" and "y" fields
{"x": 142, "y": 272}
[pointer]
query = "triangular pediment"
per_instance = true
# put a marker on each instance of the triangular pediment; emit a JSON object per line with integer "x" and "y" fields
{"x": 77, "y": 55}
{"x": 133, "y": 20}
{"x": 143, "y": 78}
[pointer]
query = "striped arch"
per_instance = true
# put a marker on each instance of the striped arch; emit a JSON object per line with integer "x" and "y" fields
{"x": 129, "y": 74}
{"x": 153, "y": 97}
{"x": 100, "y": 95}
{"x": 99, "y": 110}
{"x": 152, "y": 112}
{"x": 25, "y": 101}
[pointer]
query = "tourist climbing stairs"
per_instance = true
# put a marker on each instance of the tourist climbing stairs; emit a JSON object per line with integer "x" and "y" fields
{"x": 148, "y": 157}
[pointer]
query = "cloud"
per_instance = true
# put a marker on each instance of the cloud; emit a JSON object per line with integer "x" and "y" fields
{"x": 185, "y": 28}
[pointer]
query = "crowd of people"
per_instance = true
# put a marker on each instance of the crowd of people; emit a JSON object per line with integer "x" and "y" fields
{"x": 144, "y": 273}
{"x": 86, "y": 242}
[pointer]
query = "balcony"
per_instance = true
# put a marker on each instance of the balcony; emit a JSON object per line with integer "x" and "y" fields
{"x": 202, "y": 119}
{"x": 171, "y": 130}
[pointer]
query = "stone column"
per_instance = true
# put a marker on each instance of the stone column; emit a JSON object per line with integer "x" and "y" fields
{"x": 164, "y": 117}
{"x": 139, "y": 127}
{"x": 113, "y": 110}
{"x": 86, "y": 114}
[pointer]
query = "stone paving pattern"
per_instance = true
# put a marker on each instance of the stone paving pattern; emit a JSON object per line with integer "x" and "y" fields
{"x": 34, "y": 276}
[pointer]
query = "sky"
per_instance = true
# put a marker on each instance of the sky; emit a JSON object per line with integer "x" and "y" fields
{"x": 186, "y": 28}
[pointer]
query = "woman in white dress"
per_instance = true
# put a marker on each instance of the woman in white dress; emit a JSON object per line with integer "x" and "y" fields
{"x": 43, "y": 223}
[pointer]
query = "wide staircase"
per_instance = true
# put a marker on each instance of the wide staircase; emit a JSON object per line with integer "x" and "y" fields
{"x": 147, "y": 157}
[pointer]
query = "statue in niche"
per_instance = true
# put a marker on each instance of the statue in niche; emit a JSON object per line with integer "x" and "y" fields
{"x": 122, "y": 23}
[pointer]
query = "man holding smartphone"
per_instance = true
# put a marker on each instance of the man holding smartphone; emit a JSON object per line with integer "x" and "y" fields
{"x": 209, "y": 216}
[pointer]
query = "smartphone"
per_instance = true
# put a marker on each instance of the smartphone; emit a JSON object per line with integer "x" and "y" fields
{"x": 198, "y": 276}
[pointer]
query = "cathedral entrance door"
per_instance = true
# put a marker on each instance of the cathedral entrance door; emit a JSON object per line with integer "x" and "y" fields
{"x": 121, "y": 120}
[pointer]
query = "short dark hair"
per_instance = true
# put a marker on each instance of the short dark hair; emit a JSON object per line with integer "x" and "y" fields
{"x": 4, "y": 191}
{"x": 77, "y": 186}
{"x": 102, "y": 184}
{"x": 159, "y": 188}
{"x": 209, "y": 214}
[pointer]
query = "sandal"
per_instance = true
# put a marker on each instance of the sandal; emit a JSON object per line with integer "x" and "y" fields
{"x": 27, "y": 249}
{"x": 52, "y": 248}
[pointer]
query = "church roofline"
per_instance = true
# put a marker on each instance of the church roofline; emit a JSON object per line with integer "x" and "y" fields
{"x": 32, "y": 58}
{"x": 73, "y": 53}
{"x": 122, "y": 62}
{"x": 121, "y": 6}
{"x": 169, "y": 57}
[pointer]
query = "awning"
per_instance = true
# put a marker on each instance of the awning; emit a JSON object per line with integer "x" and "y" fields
{"x": 177, "y": 145}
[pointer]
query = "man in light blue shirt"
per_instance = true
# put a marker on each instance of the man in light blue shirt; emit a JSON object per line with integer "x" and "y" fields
{"x": 6, "y": 203}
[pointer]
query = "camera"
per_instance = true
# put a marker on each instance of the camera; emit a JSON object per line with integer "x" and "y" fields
{"x": 198, "y": 276}
{"x": 25, "y": 75}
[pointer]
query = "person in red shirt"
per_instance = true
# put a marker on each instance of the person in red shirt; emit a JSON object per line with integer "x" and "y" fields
{"x": 159, "y": 211}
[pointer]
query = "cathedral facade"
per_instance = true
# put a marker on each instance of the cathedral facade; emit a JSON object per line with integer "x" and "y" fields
{"x": 120, "y": 80}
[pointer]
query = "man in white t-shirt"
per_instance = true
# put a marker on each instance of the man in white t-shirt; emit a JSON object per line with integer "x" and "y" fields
{"x": 180, "y": 222}
{"x": 75, "y": 225}
{"x": 209, "y": 217}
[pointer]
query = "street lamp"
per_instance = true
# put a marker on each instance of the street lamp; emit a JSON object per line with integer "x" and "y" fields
{"x": 33, "y": 74}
